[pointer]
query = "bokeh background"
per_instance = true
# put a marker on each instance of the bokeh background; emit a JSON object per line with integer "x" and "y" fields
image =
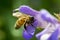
{"x": 7, "y": 21}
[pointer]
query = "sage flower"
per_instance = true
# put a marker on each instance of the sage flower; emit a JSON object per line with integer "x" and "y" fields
{"x": 39, "y": 21}
{"x": 51, "y": 32}
{"x": 43, "y": 19}
{"x": 38, "y": 15}
{"x": 56, "y": 34}
{"x": 30, "y": 30}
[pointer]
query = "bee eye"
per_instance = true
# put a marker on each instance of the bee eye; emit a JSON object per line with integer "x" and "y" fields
{"x": 31, "y": 18}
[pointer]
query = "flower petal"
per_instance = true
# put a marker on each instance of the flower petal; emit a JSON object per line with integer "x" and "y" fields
{"x": 54, "y": 35}
{"x": 30, "y": 29}
{"x": 40, "y": 34}
{"x": 45, "y": 36}
{"x": 43, "y": 32}
{"x": 47, "y": 16}
{"x": 29, "y": 32}
{"x": 26, "y": 35}
{"x": 27, "y": 10}
{"x": 35, "y": 24}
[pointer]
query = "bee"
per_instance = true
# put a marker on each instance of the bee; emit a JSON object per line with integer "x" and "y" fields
{"x": 23, "y": 19}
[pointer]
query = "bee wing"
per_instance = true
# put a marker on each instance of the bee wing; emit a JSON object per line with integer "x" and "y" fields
{"x": 17, "y": 14}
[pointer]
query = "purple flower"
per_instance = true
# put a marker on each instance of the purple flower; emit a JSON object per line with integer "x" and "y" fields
{"x": 36, "y": 14}
{"x": 52, "y": 29}
{"x": 27, "y": 10}
{"x": 43, "y": 19}
{"x": 56, "y": 34}
{"x": 51, "y": 32}
{"x": 47, "y": 16}
{"x": 28, "y": 34}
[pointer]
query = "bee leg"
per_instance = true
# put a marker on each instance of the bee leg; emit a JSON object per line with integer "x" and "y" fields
{"x": 32, "y": 25}
{"x": 25, "y": 26}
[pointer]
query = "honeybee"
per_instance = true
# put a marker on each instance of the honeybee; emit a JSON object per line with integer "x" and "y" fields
{"x": 23, "y": 19}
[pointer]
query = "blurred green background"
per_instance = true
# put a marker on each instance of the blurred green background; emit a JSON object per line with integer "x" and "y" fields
{"x": 7, "y": 21}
